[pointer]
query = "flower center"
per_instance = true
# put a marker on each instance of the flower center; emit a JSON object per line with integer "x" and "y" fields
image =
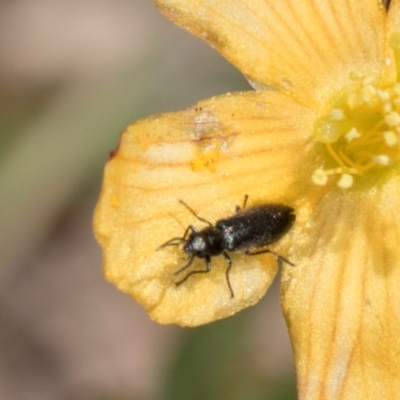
{"x": 361, "y": 131}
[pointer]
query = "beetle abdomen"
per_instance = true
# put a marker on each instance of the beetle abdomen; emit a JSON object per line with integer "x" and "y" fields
{"x": 255, "y": 227}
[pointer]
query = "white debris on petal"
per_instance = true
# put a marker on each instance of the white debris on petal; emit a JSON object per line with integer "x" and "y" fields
{"x": 392, "y": 119}
{"x": 345, "y": 181}
{"x": 352, "y": 134}
{"x": 390, "y": 138}
{"x": 319, "y": 177}
{"x": 381, "y": 159}
{"x": 337, "y": 114}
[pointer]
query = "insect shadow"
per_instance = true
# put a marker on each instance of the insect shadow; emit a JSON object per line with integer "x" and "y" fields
{"x": 246, "y": 230}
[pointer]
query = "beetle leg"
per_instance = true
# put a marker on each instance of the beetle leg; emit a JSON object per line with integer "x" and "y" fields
{"x": 188, "y": 264}
{"x": 247, "y": 252}
{"x": 246, "y": 196}
{"x": 237, "y": 208}
{"x": 207, "y": 262}
{"x": 229, "y": 261}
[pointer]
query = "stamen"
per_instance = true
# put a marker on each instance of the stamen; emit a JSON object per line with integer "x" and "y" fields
{"x": 352, "y": 134}
{"x": 337, "y": 114}
{"x": 383, "y": 94}
{"x": 336, "y": 156}
{"x": 387, "y": 107}
{"x": 319, "y": 177}
{"x": 362, "y": 130}
{"x": 392, "y": 119}
{"x": 368, "y": 94}
{"x": 381, "y": 159}
{"x": 328, "y": 132}
{"x": 390, "y": 138}
{"x": 345, "y": 181}
{"x": 352, "y": 166}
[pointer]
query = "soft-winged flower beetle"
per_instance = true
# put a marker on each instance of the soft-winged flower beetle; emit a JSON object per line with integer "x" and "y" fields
{"x": 248, "y": 229}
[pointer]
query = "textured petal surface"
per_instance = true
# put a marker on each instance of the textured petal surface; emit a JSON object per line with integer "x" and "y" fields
{"x": 394, "y": 15}
{"x": 304, "y": 47}
{"x": 346, "y": 294}
{"x": 210, "y": 156}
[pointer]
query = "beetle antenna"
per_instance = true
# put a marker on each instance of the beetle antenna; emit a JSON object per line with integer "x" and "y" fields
{"x": 172, "y": 242}
{"x": 194, "y": 213}
{"x": 279, "y": 257}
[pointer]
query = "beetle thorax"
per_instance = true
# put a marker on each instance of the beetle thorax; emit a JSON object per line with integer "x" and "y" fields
{"x": 196, "y": 244}
{"x": 207, "y": 242}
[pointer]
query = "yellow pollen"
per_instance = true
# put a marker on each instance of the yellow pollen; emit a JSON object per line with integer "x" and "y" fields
{"x": 361, "y": 131}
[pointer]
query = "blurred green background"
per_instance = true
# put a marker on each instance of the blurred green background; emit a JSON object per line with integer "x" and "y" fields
{"x": 73, "y": 75}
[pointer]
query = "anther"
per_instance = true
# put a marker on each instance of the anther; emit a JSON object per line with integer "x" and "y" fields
{"x": 337, "y": 114}
{"x": 352, "y": 134}
{"x": 381, "y": 159}
{"x": 390, "y": 138}
{"x": 345, "y": 181}
{"x": 392, "y": 119}
{"x": 319, "y": 177}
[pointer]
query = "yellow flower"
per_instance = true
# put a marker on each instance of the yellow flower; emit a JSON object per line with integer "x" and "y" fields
{"x": 320, "y": 134}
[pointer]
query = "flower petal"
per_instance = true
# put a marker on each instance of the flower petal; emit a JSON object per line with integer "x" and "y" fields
{"x": 303, "y": 47}
{"x": 394, "y": 15}
{"x": 347, "y": 295}
{"x": 393, "y": 26}
{"x": 210, "y": 156}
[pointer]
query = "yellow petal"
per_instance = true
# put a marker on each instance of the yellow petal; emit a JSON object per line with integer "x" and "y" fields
{"x": 394, "y": 15}
{"x": 393, "y": 26}
{"x": 346, "y": 297}
{"x": 306, "y": 48}
{"x": 209, "y": 156}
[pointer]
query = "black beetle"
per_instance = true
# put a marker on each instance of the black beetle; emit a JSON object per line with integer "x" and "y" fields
{"x": 248, "y": 229}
